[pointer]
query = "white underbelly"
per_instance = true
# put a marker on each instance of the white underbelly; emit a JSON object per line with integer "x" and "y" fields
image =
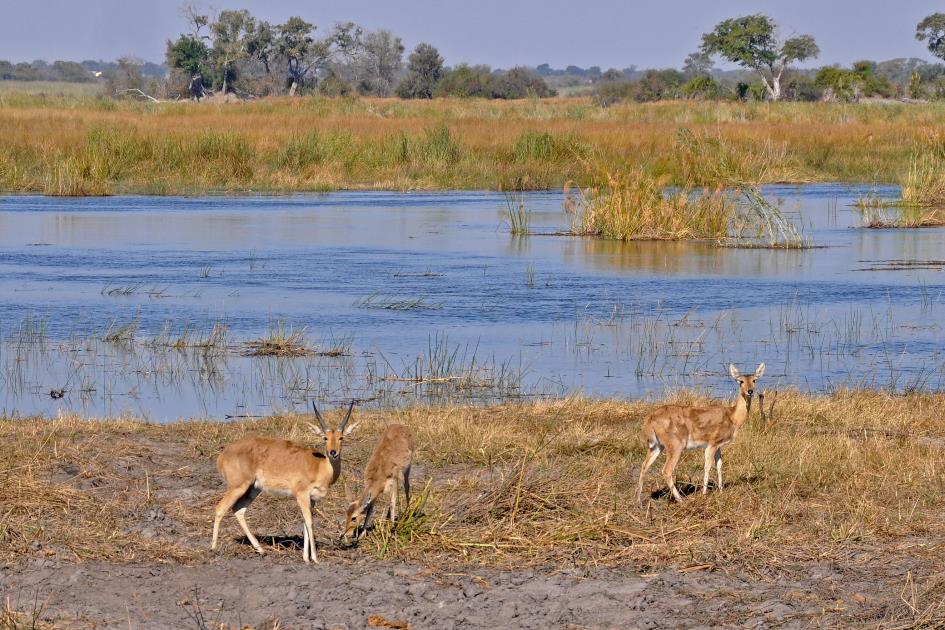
{"x": 261, "y": 485}
{"x": 690, "y": 444}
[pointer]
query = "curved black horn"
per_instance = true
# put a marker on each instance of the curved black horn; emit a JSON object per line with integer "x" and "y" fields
{"x": 347, "y": 417}
{"x": 318, "y": 416}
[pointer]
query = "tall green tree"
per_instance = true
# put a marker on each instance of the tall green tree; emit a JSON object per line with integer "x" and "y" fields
{"x": 189, "y": 54}
{"x": 260, "y": 43}
{"x": 752, "y": 42}
{"x": 229, "y": 34}
{"x": 425, "y": 67}
{"x": 932, "y": 29}
{"x": 378, "y": 61}
{"x": 304, "y": 54}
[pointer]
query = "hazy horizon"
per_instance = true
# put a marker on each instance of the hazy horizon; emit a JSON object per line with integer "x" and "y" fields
{"x": 499, "y": 34}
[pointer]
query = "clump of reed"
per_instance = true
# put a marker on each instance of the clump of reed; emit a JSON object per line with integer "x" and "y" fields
{"x": 632, "y": 205}
{"x": 517, "y": 213}
{"x": 924, "y": 183}
{"x": 760, "y": 222}
{"x": 282, "y": 340}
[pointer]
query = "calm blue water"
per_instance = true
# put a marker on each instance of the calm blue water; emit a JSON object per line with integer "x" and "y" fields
{"x": 560, "y": 313}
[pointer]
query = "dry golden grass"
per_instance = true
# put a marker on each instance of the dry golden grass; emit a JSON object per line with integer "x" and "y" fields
{"x": 512, "y": 485}
{"x": 96, "y": 146}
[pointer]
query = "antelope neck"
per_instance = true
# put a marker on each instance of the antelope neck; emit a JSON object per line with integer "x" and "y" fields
{"x": 335, "y": 467}
{"x": 740, "y": 411}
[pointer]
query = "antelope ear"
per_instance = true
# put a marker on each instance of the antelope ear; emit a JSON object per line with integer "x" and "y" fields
{"x": 316, "y": 429}
{"x": 760, "y": 371}
{"x": 733, "y": 370}
{"x": 349, "y": 429}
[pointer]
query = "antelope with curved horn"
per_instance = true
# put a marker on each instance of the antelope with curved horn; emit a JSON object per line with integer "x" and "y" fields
{"x": 388, "y": 467}
{"x": 259, "y": 464}
{"x": 676, "y": 428}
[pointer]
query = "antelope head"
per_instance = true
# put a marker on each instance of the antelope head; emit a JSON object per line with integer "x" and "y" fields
{"x": 333, "y": 437}
{"x": 355, "y": 519}
{"x": 746, "y": 383}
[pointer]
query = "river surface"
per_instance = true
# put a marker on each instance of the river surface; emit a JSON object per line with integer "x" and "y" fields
{"x": 426, "y": 296}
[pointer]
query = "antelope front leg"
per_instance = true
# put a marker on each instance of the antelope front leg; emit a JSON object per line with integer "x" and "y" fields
{"x": 305, "y": 505}
{"x": 311, "y": 509}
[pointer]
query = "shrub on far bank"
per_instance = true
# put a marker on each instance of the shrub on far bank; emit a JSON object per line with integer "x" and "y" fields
{"x": 480, "y": 81}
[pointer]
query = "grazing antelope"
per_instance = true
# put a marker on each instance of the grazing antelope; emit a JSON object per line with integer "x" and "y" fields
{"x": 388, "y": 467}
{"x": 677, "y": 428}
{"x": 258, "y": 464}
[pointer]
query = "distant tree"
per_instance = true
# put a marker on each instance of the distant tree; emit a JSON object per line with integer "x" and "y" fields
{"x": 466, "y": 81}
{"x": 189, "y": 54}
{"x": 873, "y": 83}
{"x": 932, "y": 29}
{"x": 751, "y": 42}
{"x": 304, "y": 55}
{"x": 697, "y": 64}
{"x": 609, "y": 92}
{"x": 425, "y": 67}
{"x": 229, "y": 33}
{"x": 379, "y": 59}
{"x": 612, "y": 74}
{"x": 520, "y": 82}
{"x": 701, "y": 88}
{"x": 260, "y": 43}
{"x": 839, "y": 84}
{"x": 294, "y": 42}
{"x": 657, "y": 85}
{"x": 69, "y": 71}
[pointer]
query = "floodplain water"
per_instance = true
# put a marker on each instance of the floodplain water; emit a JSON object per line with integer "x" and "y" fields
{"x": 143, "y": 306}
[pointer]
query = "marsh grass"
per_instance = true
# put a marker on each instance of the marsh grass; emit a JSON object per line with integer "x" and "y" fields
{"x": 760, "y": 222}
{"x": 855, "y": 475}
{"x": 631, "y": 205}
{"x": 282, "y": 340}
{"x": 891, "y": 217}
{"x": 447, "y": 369}
{"x": 86, "y": 146}
{"x": 517, "y": 213}
{"x": 119, "y": 333}
{"x": 924, "y": 183}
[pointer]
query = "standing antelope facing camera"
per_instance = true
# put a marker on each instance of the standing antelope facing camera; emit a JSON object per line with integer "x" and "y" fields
{"x": 676, "y": 428}
{"x": 388, "y": 467}
{"x": 258, "y": 464}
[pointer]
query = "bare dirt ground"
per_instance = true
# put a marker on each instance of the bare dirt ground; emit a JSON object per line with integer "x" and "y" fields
{"x": 106, "y": 524}
{"x": 359, "y": 592}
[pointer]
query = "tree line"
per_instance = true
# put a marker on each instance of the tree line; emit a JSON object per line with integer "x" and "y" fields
{"x": 237, "y": 53}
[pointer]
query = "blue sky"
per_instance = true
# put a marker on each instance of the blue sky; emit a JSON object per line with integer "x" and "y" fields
{"x": 501, "y": 33}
